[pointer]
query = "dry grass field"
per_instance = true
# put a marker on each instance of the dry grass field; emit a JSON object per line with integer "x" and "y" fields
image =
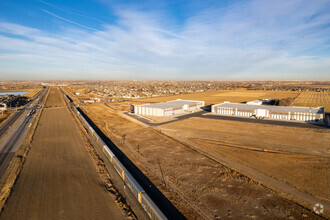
{"x": 215, "y": 97}
{"x": 313, "y": 99}
{"x": 4, "y": 116}
{"x": 59, "y": 179}
{"x": 197, "y": 185}
{"x": 83, "y": 92}
{"x": 32, "y": 93}
{"x": 297, "y": 156}
{"x": 211, "y": 97}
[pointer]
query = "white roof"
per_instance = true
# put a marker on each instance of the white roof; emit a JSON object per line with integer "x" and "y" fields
{"x": 255, "y": 102}
{"x": 273, "y": 108}
{"x": 171, "y": 104}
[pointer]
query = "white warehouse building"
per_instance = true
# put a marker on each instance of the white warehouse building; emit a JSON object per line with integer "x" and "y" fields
{"x": 306, "y": 114}
{"x": 167, "y": 108}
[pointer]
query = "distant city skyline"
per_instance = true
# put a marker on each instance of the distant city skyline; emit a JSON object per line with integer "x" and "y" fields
{"x": 164, "y": 40}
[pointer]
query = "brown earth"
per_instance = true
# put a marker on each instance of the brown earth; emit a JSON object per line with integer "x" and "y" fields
{"x": 297, "y": 156}
{"x": 59, "y": 179}
{"x": 4, "y": 116}
{"x": 197, "y": 185}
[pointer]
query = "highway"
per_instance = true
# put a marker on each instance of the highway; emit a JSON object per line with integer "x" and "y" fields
{"x": 59, "y": 179}
{"x": 19, "y": 123}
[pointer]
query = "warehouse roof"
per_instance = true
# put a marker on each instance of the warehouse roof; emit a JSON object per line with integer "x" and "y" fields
{"x": 273, "y": 108}
{"x": 171, "y": 104}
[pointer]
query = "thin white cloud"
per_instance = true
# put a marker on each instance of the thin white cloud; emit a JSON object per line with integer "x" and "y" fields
{"x": 67, "y": 20}
{"x": 70, "y": 11}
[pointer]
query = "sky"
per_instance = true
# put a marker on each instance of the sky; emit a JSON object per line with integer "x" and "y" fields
{"x": 164, "y": 40}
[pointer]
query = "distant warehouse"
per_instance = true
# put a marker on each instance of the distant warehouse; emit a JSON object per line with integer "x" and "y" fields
{"x": 167, "y": 108}
{"x": 306, "y": 114}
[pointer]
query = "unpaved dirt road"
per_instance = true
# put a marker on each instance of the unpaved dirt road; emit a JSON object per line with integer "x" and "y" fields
{"x": 59, "y": 179}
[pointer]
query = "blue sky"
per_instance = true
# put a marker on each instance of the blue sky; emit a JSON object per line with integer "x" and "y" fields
{"x": 159, "y": 40}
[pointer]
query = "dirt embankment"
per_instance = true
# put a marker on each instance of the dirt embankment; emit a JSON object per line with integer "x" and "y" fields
{"x": 4, "y": 116}
{"x": 59, "y": 178}
{"x": 197, "y": 185}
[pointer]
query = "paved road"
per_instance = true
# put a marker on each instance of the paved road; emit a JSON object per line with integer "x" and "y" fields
{"x": 5, "y": 125}
{"x": 205, "y": 114}
{"x": 59, "y": 179}
{"x": 11, "y": 142}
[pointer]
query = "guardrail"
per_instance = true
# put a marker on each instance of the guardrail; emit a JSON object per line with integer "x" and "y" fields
{"x": 139, "y": 193}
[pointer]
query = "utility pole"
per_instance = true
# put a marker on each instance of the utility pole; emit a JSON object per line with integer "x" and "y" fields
{"x": 161, "y": 171}
{"x": 123, "y": 140}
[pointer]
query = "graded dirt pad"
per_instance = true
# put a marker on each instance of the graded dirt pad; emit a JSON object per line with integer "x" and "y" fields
{"x": 197, "y": 185}
{"x": 59, "y": 179}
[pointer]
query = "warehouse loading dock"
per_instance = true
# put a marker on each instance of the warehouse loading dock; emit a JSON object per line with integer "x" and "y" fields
{"x": 167, "y": 108}
{"x": 303, "y": 114}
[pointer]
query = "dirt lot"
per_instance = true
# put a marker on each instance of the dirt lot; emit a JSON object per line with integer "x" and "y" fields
{"x": 197, "y": 185}
{"x": 297, "y": 156}
{"x": 59, "y": 179}
{"x": 313, "y": 99}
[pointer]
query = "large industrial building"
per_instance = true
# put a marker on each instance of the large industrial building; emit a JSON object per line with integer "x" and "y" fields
{"x": 167, "y": 108}
{"x": 307, "y": 114}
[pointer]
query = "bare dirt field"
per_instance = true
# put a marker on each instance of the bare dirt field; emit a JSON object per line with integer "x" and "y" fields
{"x": 313, "y": 99}
{"x": 59, "y": 179}
{"x": 197, "y": 185}
{"x": 297, "y": 156}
